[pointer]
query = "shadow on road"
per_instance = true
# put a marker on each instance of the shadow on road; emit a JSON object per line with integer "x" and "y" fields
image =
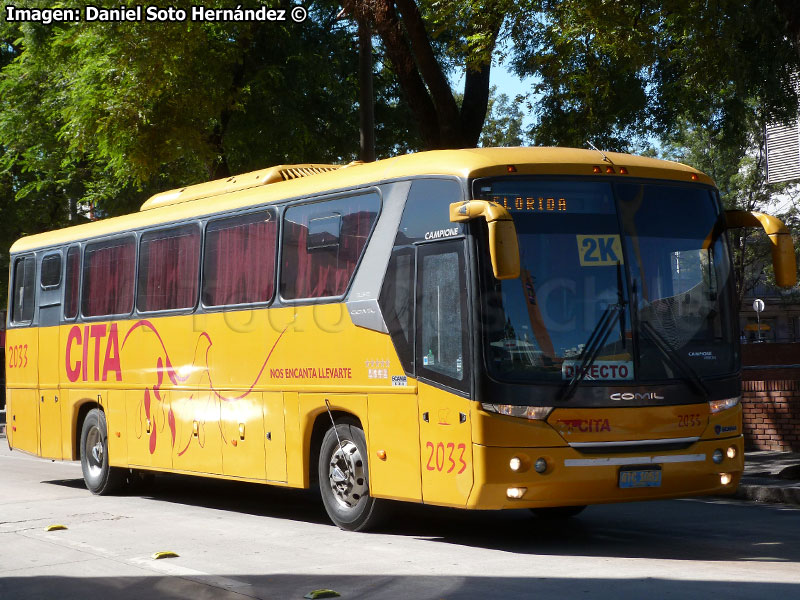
{"x": 385, "y": 587}
{"x": 702, "y": 530}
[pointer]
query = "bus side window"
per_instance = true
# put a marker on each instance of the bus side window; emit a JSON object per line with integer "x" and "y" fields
{"x": 169, "y": 263}
{"x": 72, "y": 282}
{"x": 397, "y": 305}
{"x": 239, "y": 259}
{"x": 441, "y": 353}
{"x": 322, "y": 244}
{"x": 24, "y": 290}
{"x": 51, "y": 271}
{"x": 108, "y": 277}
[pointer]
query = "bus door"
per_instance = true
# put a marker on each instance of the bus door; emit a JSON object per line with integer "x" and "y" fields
{"x": 51, "y": 285}
{"x": 21, "y": 358}
{"x": 442, "y": 368}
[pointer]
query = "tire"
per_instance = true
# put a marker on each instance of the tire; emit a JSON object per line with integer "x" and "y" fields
{"x": 344, "y": 479}
{"x": 100, "y": 478}
{"x": 557, "y": 513}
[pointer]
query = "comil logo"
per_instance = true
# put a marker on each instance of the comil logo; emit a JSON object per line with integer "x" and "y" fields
{"x": 635, "y": 396}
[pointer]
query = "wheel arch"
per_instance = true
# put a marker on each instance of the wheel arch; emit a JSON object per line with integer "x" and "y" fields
{"x": 79, "y": 412}
{"x": 321, "y": 424}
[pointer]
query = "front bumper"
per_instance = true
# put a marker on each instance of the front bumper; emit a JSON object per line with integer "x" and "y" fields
{"x": 576, "y": 478}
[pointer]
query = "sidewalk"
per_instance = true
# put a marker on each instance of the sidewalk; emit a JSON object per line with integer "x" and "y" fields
{"x": 771, "y": 477}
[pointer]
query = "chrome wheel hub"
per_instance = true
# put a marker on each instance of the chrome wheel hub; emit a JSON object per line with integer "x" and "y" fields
{"x": 347, "y": 475}
{"x": 94, "y": 452}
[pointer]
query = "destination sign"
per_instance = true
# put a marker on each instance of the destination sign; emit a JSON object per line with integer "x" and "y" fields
{"x": 531, "y": 203}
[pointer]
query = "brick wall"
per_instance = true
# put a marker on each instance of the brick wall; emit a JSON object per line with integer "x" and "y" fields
{"x": 771, "y": 396}
{"x": 771, "y": 414}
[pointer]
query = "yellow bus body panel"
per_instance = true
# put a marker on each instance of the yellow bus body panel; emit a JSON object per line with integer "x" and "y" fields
{"x": 200, "y": 393}
{"x": 241, "y": 393}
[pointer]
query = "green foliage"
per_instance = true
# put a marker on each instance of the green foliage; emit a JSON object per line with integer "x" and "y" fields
{"x": 504, "y": 122}
{"x": 739, "y": 172}
{"x": 611, "y": 72}
{"x": 104, "y": 115}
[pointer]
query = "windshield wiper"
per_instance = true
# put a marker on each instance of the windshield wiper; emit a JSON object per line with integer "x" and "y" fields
{"x": 667, "y": 350}
{"x": 665, "y": 347}
{"x": 595, "y": 342}
{"x": 598, "y": 337}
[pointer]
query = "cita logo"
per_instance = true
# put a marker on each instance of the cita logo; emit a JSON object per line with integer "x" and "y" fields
{"x": 585, "y": 425}
{"x": 635, "y": 396}
{"x": 86, "y": 345}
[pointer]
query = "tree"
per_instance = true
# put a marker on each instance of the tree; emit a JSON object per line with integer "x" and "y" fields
{"x": 740, "y": 175}
{"x": 504, "y": 122}
{"x": 612, "y": 72}
{"x": 465, "y": 34}
{"x": 104, "y": 115}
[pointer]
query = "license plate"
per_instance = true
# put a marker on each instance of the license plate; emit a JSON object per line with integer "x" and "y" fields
{"x": 637, "y": 478}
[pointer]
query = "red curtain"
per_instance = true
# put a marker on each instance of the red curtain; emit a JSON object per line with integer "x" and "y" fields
{"x": 240, "y": 262}
{"x": 170, "y": 270}
{"x": 108, "y": 280}
{"x": 325, "y": 271}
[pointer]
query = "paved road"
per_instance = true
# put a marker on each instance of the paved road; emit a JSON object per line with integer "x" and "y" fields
{"x": 240, "y": 541}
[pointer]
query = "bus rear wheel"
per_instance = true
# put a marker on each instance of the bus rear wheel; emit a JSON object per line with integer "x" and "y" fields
{"x": 344, "y": 479}
{"x": 557, "y": 513}
{"x": 100, "y": 478}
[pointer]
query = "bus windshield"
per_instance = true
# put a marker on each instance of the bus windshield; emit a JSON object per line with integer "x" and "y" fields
{"x": 634, "y": 274}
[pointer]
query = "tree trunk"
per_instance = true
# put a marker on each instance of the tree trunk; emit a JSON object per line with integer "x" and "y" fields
{"x": 366, "y": 101}
{"x": 441, "y": 123}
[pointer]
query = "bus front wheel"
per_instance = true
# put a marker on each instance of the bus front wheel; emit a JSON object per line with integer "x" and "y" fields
{"x": 344, "y": 478}
{"x": 100, "y": 478}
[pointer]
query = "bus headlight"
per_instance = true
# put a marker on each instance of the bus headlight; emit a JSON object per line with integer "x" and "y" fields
{"x": 717, "y": 456}
{"x": 715, "y": 406}
{"x": 536, "y": 413}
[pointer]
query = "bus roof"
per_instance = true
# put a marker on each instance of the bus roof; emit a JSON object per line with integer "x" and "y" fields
{"x": 291, "y": 181}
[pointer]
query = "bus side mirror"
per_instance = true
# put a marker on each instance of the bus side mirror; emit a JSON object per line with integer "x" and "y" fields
{"x": 503, "y": 244}
{"x": 783, "y": 259}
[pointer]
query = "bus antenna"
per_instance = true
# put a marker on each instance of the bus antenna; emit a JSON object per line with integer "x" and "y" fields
{"x": 593, "y": 147}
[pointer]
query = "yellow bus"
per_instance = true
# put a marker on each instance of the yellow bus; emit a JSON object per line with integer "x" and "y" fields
{"x": 540, "y": 328}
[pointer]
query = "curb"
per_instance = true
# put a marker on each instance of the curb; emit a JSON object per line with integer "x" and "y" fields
{"x": 769, "y": 491}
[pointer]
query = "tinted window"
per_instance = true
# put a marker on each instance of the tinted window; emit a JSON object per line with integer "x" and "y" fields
{"x": 239, "y": 262}
{"x": 51, "y": 270}
{"x": 24, "y": 292}
{"x": 169, "y": 268}
{"x": 397, "y": 304}
{"x": 441, "y": 314}
{"x": 427, "y": 212}
{"x": 108, "y": 273}
{"x": 72, "y": 282}
{"x": 322, "y": 243}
